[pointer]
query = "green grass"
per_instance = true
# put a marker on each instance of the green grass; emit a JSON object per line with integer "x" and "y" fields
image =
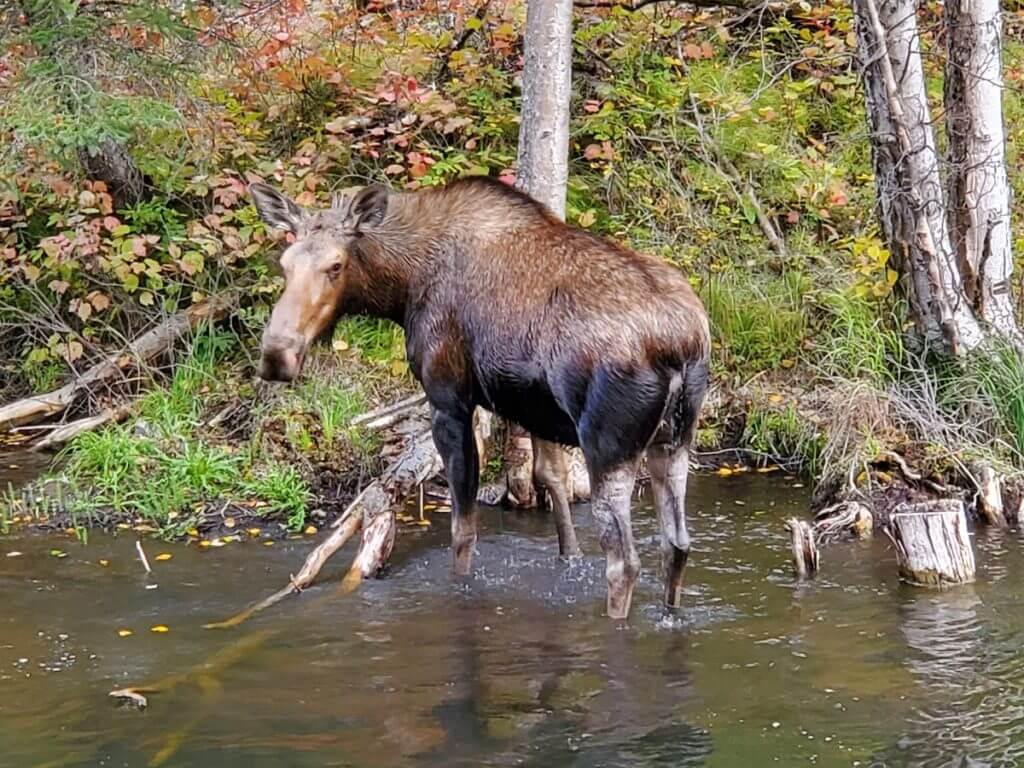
{"x": 756, "y": 322}
{"x": 284, "y": 489}
{"x": 378, "y": 341}
{"x": 860, "y": 340}
{"x": 785, "y": 436}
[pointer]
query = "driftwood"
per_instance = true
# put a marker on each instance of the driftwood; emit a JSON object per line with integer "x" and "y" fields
{"x": 373, "y": 512}
{"x": 73, "y": 429}
{"x": 144, "y": 348}
{"x": 830, "y": 524}
{"x": 389, "y": 414}
{"x": 932, "y": 545}
{"x": 804, "y": 547}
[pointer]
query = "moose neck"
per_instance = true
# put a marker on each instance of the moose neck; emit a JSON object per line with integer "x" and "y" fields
{"x": 390, "y": 258}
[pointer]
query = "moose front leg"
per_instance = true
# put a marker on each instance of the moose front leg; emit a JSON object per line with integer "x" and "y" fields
{"x": 453, "y": 436}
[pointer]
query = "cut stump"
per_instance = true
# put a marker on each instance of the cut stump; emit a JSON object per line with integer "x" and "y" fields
{"x": 932, "y": 546}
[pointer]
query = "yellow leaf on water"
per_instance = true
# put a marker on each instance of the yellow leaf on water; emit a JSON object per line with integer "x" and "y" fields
{"x": 423, "y": 522}
{"x": 204, "y": 543}
{"x": 268, "y": 543}
{"x": 217, "y": 543}
{"x": 310, "y": 530}
{"x": 253, "y": 531}
{"x": 159, "y": 629}
{"x": 724, "y": 471}
{"x": 164, "y": 556}
{"x": 104, "y": 563}
{"x": 124, "y": 633}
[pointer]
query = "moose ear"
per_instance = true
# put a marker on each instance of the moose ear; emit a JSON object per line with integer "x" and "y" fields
{"x": 370, "y": 205}
{"x": 277, "y": 210}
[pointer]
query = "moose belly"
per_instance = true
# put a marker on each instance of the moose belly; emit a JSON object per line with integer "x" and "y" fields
{"x": 529, "y": 403}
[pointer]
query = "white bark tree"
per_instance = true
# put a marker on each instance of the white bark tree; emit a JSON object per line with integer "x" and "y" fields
{"x": 956, "y": 286}
{"x": 978, "y": 190}
{"x": 543, "y": 173}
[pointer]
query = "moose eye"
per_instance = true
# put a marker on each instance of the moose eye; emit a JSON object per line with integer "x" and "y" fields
{"x": 334, "y": 270}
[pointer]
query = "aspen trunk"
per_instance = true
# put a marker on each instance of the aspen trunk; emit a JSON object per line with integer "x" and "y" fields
{"x": 910, "y": 196}
{"x": 543, "y": 165}
{"x": 979, "y": 192}
{"x": 932, "y": 545}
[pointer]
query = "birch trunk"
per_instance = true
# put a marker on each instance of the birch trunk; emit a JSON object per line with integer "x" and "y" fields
{"x": 979, "y": 192}
{"x": 543, "y": 163}
{"x": 911, "y": 203}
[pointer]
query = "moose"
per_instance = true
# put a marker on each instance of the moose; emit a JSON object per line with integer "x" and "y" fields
{"x": 505, "y": 307}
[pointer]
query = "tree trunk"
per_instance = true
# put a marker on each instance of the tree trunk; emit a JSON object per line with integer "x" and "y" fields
{"x": 910, "y": 197}
{"x": 932, "y": 545}
{"x": 112, "y": 164}
{"x": 543, "y": 164}
{"x": 979, "y": 193}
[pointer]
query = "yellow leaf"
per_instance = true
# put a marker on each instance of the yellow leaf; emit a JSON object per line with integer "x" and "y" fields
{"x": 217, "y": 543}
{"x": 253, "y": 531}
{"x": 268, "y": 543}
{"x": 310, "y": 530}
{"x": 164, "y": 556}
{"x": 788, "y": 363}
{"x": 775, "y": 399}
{"x": 159, "y": 629}
{"x": 229, "y": 522}
{"x": 771, "y": 468}
{"x": 423, "y": 522}
{"x": 124, "y": 633}
{"x": 204, "y": 543}
{"x": 192, "y": 532}
{"x": 724, "y": 471}
{"x": 104, "y": 563}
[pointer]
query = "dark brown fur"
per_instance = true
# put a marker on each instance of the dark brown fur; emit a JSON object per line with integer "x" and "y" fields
{"x": 580, "y": 340}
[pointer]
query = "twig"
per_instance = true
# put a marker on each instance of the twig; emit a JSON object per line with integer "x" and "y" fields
{"x": 402, "y": 406}
{"x": 73, "y": 429}
{"x": 142, "y": 556}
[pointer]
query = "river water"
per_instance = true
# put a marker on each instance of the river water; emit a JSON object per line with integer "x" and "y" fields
{"x": 517, "y": 666}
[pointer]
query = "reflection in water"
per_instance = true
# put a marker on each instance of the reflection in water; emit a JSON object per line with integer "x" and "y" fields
{"x": 516, "y": 666}
{"x": 966, "y": 655}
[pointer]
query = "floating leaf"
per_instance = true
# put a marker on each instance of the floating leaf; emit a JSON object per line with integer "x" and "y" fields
{"x": 124, "y": 633}
{"x": 164, "y": 556}
{"x": 104, "y": 563}
{"x": 159, "y": 629}
{"x": 310, "y": 530}
{"x": 58, "y": 553}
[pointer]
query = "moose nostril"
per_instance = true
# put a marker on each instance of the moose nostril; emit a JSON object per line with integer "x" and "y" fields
{"x": 278, "y": 365}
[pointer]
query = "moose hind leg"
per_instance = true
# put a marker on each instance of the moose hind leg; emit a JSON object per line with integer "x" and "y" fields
{"x": 610, "y": 502}
{"x": 669, "y": 466}
{"x": 455, "y": 441}
{"x": 551, "y": 471}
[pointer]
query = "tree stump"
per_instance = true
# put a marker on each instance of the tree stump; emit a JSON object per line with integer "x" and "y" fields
{"x": 932, "y": 546}
{"x": 804, "y": 547}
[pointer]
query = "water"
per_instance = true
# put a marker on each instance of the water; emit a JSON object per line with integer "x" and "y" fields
{"x": 516, "y": 667}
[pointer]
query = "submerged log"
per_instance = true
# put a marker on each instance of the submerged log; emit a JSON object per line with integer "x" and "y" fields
{"x": 805, "y": 550}
{"x": 932, "y": 546}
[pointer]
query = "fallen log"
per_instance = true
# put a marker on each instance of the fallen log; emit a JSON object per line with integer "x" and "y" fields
{"x": 67, "y": 432}
{"x": 373, "y": 512}
{"x": 144, "y": 348}
{"x": 932, "y": 545}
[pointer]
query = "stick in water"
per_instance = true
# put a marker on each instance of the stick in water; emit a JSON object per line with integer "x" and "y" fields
{"x": 142, "y": 556}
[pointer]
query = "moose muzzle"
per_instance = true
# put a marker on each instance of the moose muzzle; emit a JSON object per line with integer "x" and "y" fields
{"x": 281, "y": 356}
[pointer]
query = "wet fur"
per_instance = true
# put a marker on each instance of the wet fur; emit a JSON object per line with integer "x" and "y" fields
{"x": 579, "y": 340}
